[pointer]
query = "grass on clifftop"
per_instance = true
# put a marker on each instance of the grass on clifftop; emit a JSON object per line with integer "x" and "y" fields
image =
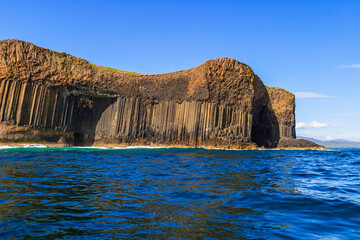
{"x": 114, "y": 69}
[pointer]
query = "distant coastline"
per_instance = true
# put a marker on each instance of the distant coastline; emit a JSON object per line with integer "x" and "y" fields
{"x": 336, "y": 143}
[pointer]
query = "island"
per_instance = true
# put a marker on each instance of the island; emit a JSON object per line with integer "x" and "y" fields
{"x": 54, "y": 98}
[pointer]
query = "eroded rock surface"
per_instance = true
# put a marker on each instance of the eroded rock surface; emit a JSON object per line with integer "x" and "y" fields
{"x": 221, "y": 103}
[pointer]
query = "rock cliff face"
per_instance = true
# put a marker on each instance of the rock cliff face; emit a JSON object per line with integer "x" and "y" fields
{"x": 54, "y": 97}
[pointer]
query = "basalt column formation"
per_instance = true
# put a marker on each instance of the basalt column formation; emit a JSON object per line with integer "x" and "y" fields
{"x": 47, "y": 96}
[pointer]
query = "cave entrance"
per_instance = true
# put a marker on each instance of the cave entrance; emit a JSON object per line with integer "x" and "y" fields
{"x": 79, "y": 139}
{"x": 264, "y": 129}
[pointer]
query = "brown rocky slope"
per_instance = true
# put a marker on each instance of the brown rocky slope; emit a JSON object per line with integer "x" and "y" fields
{"x": 48, "y": 96}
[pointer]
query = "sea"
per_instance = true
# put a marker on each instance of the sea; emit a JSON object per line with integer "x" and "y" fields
{"x": 178, "y": 193}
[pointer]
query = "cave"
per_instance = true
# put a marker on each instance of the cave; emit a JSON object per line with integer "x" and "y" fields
{"x": 265, "y": 130}
{"x": 79, "y": 139}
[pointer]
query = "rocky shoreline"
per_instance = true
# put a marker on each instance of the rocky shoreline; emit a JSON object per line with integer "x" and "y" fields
{"x": 124, "y": 146}
{"x": 20, "y": 135}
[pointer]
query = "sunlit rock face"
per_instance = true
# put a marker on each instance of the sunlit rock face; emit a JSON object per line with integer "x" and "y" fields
{"x": 47, "y": 96}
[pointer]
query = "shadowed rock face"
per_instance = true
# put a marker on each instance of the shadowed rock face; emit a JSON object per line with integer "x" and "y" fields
{"x": 220, "y": 103}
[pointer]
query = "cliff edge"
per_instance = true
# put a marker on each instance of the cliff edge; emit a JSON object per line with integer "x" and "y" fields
{"x": 48, "y": 96}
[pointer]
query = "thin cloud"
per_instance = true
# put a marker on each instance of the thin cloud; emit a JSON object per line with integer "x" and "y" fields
{"x": 314, "y": 124}
{"x": 311, "y": 95}
{"x": 329, "y": 138}
{"x": 351, "y": 66}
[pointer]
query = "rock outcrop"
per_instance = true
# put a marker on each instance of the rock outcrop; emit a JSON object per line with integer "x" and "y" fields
{"x": 221, "y": 103}
{"x": 299, "y": 143}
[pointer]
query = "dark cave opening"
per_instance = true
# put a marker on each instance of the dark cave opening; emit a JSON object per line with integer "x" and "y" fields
{"x": 79, "y": 139}
{"x": 265, "y": 129}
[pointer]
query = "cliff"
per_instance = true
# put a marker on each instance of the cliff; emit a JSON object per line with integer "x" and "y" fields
{"x": 55, "y": 97}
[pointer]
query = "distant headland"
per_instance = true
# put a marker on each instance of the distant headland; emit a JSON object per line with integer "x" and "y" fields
{"x": 54, "y": 98}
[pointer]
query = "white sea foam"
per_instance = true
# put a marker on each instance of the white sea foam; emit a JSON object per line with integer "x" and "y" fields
{"x": 91, "y": 147}
{"x": 33, "y": 146}
{"x": 23, "y": 146}
{"x": 138, "y": 147}
{"x": 6, "y": 146}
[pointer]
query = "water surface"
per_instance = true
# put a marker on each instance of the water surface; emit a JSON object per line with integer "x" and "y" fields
{"x": 87, "y": 193}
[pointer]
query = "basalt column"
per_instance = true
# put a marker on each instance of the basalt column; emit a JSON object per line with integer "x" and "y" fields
{"x": 190, "y": 123}
{"x": 36, "y": 105}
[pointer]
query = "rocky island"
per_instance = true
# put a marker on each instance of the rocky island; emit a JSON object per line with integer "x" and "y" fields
{"x": 55, "y": 98}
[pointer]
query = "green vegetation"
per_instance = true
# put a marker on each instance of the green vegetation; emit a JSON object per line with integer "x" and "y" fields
{"x": 86, "y": 102}
{"x": 114, "y": 69}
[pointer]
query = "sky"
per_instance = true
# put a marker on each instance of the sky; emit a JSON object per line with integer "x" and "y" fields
{"x": 310, "y": 48}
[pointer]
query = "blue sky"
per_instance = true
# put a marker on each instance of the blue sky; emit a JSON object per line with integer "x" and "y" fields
{"x": 311, "y": 48}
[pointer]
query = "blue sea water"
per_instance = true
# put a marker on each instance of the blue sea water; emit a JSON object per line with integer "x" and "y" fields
{"x": 88, "y": 193}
